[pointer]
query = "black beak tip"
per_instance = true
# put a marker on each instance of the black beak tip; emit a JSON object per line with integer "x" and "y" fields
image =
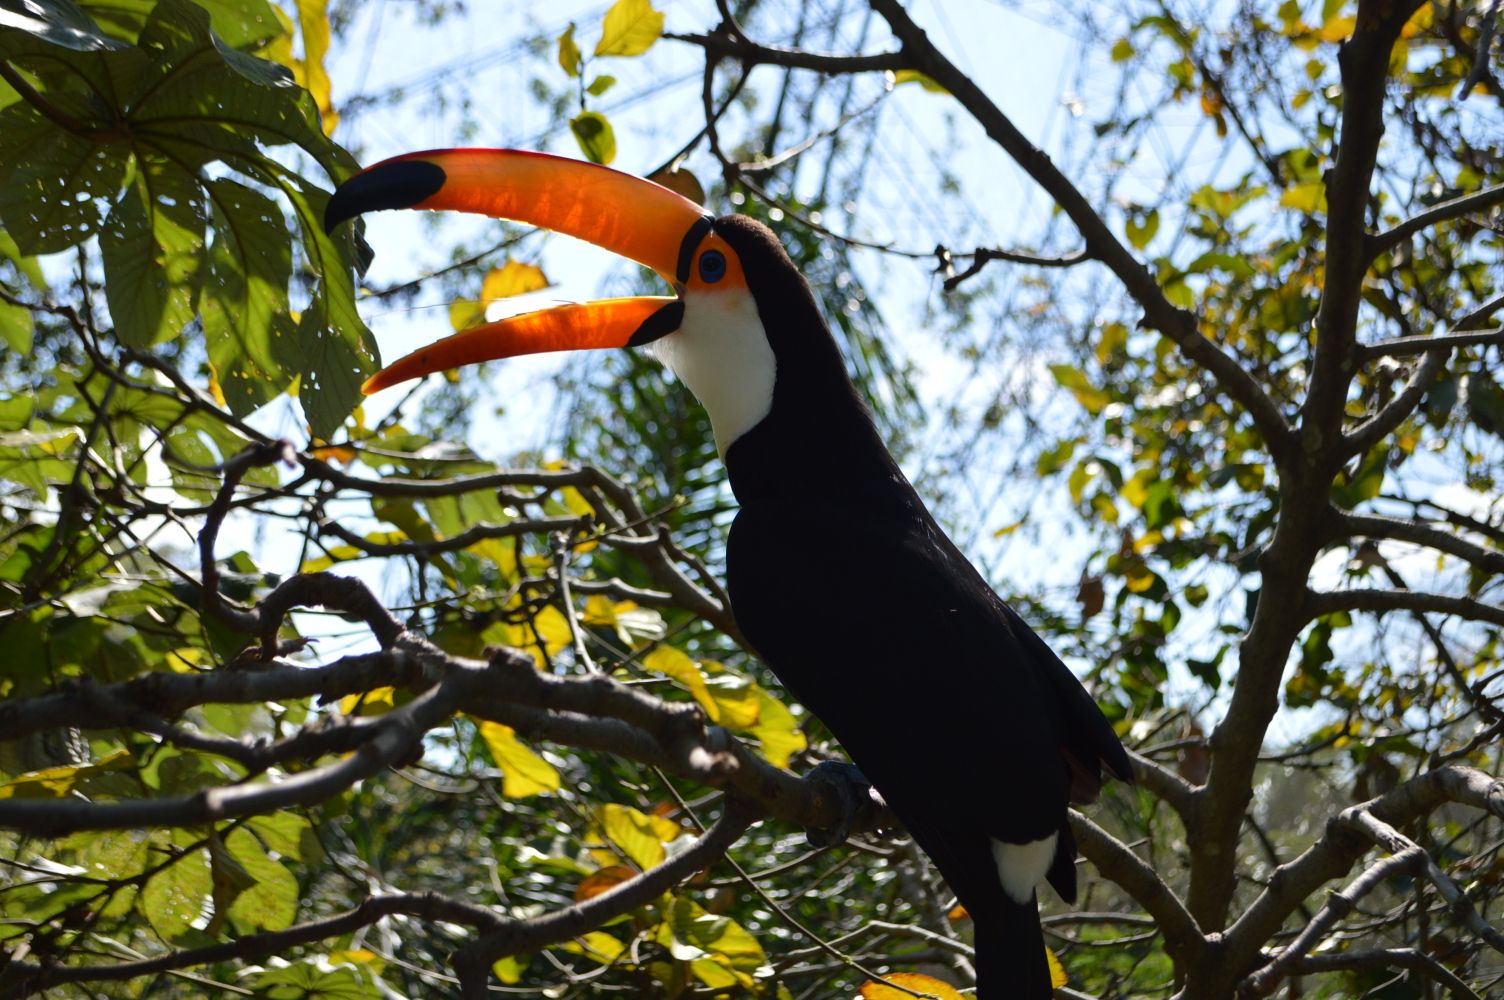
{"x": 396, "y": 184}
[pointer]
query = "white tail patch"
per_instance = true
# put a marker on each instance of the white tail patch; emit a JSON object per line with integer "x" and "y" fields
{"x": 721, "y": 352}
{"x": 1023, "y": 866}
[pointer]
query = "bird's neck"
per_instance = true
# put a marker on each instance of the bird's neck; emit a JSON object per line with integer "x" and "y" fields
{"x": 818, "y": 446}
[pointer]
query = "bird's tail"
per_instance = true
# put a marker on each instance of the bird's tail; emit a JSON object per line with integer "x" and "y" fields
{"x": 1011, "y": 963}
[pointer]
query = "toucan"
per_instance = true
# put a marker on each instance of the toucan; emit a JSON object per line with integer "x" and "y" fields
{"x": 971, "y": 728}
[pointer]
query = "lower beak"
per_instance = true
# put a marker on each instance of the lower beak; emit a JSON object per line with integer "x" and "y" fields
{"x": 629, "y": 322}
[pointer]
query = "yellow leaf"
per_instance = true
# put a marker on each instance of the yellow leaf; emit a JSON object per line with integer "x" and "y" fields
{"x": 777, "y": 730}
{"x": 523, "y": 772}
{"x": 569, "y": 52}
{"x": 639, "y": 836}
{"x": 215, "y": 389}
{"x": 511, "y": 278}
{"x": 671, "y": 662}
{"x": 914, "y": 981}
{"x": 630, "y": 29}
{"x": 598, "y": 945}
{"x": 1008, "y": 529}
{"x": 597, "y": 139}
{"x": 508, "y": 971}
{"x": 1337, "y": 29}
{"x": 58, "y": 782}
{"x": 1309, "y": 197}
{"x": 1058, "y": 977}
{"x": 313, "y": 20}
{"x": 377, "y": 701}
{"x": 465, "y": 313}
{"x": 903, "y": 76}
{"x": 736, "y": 700}
{"x": 598, "y": 882}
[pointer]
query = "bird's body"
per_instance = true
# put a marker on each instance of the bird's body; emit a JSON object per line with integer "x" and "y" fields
{"x": 975, "y": 733}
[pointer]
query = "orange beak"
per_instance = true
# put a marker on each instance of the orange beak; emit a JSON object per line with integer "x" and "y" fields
{"x": 627, "y": 215}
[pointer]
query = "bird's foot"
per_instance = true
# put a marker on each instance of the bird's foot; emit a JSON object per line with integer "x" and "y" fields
{"x": 852, "y": 792}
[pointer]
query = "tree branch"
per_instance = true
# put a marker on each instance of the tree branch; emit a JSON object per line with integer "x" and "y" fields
{"x": 1375, "y": 526}
{"x": 1178, "y": 324}
{"x": 1340, "y": 847}
{"x": 1183, "y": 938}
{"x": 1403, "y": 346}
{"x": 429, "y": 906}
{"x": 1382, "y": 601}
{"x": 473, "y": 962}
{"x": 1451, "y": 209}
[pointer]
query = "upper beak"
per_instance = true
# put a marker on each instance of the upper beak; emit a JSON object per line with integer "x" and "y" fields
{"x": 627, "y": 215}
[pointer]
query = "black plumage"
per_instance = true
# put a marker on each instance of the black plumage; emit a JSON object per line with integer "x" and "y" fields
{"x": 959, "y": 714}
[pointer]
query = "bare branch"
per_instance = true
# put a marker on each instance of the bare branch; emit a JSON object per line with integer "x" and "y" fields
{"x": 1183, "y": 938}
{"x": 1450, "y": 209}
{"x": 986, "y": 255}
{"x": 1383, "y": 958}
{"x": 1381, "y": 601}
{"x": 1402, "y": 346}
{"x": 426, "y": 905}
{"x": 1339, "y": 848}
{"x": 473, "y": 962}
{"x": 1374, "y": 526}
{"x": 1178, "y": 324}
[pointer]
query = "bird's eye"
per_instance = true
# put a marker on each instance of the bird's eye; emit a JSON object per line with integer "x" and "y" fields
{"x": 712, "y": 266}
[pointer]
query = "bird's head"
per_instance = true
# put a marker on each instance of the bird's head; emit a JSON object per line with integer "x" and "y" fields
{"x": 712, "y": 332}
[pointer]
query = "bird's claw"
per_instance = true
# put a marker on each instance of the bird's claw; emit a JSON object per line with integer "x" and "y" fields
{"x": 852, "y": 791}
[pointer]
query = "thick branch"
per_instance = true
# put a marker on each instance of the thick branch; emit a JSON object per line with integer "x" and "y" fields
{"x": 1364, "y": 62}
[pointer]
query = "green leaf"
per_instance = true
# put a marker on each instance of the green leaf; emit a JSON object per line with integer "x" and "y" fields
{"x": 594, "y": 134}
{"x": 1092, "y": 399}
{"x": 53, "y": 182}
{"x": 16, "y": 328}
{"x": 630, "y": 29}
{"x": 1122, "y": 50}
{"x": 600, "y": 85}
{"x": 174, "y": 898}
{"x": 312, "y": 981}
{"x": 570, "y": 57}
{"x": 288, "y": 834}
{"x": 1141, "y": 228}
{"x": 152, "y": 246}
{"x": 62, "y": 23}
{"x": 252, "y": 341}
{"x": 271, "y": 901}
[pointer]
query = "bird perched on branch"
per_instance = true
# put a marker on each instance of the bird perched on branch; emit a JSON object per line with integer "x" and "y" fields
{"x": 975, "y": 733}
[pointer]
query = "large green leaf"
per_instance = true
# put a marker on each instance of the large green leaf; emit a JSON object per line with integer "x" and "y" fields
{"x": 59, "y": 22}
{"x": 52, "y": 182}
{"x": 152, "y": 247}
{"x": 252, "y": 341}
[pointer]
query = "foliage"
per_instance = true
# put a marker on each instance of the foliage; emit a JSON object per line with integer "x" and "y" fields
{"x": 1259, "y": 402}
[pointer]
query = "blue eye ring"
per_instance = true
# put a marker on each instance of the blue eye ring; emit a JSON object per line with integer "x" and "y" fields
{"x": 712, "y": 266}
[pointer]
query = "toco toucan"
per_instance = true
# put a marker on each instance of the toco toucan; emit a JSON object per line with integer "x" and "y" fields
{"x": 974, "y": 732}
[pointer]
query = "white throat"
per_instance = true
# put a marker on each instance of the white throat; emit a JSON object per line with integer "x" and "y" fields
{"x": 721, "y": 352}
